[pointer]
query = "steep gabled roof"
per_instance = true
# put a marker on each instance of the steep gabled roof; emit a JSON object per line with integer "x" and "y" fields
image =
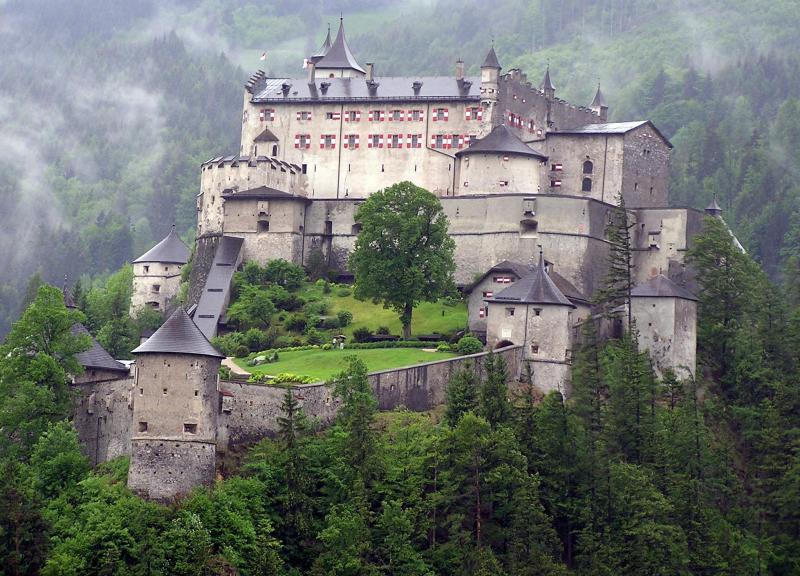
{"x": 661, "y": 287}
{"x": 534, "y": 288}
{"x": 501, "y": 141}
{"x": 266, "y": 136}
{"x": 339, "y": 55}
{"x": 491, "y": 60}
{"x": 96, "y": 356}
{"x": 178, "y": 335}
{"x": 599, "y": 99}
{"x": 170, "y": 250}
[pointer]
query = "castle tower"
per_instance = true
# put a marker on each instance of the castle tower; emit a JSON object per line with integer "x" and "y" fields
{"x": 666, "y": 322}
{"x": 157, "y": 274}
{"x": 175, "y": 405}
{"x": 533, "y": 312}
{"x": 599, "y": 106}
{"x": 338, "y": 61}
{"x": 490, "y": 88}
{"x": 547, "y": 86}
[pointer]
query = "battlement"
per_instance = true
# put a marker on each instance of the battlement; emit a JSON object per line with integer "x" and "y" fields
{"x": 225, "y": 174}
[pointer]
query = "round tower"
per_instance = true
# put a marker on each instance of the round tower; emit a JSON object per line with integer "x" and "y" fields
{"x": 533, "y": 312}
{"x": 175, "y": 405}
{"x": 157, "y": 274}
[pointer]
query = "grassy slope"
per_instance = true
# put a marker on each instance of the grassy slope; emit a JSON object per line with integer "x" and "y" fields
{"x": 428, "y": 318}
{"x": 323, "y": 364}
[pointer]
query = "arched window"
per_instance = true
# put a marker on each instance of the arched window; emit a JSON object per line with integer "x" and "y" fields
{"x": 588, "y": 167}
{"x": 587, "y": 185}
{"x": 274, "y": 150}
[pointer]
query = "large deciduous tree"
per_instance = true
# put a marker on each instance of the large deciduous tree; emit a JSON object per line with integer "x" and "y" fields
{"x": 403, "y": 254}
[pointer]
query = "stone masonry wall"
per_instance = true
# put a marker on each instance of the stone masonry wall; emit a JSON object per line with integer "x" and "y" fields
{"x": 102, "y": 415}
{"x": 250, "y": 411}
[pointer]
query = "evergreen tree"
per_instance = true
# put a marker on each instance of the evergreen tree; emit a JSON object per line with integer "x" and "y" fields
{"x": 618, "y": 283}
{"x": 493, "y": 394}
{"x": 461, "y": 394}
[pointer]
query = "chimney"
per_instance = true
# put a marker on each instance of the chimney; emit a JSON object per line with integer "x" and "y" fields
{"x": 312, "y": 70}
{"x": 459, "y": 70}
{"x": 370, "y": 71}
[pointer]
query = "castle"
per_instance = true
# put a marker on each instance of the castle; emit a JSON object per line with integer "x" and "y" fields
{"x": 527, "y": 181}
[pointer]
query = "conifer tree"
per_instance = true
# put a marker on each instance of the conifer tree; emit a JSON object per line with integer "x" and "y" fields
{"x": 618, "y": 282}
{"x": 493, "y": 396}
{"x": 461, "y": 394}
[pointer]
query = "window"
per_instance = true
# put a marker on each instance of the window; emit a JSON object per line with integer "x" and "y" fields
{"x": 535, "y": 348}
{"x": 441, "y": 141}
{"x": 502, "y": 183}
{"x": 146, "y": 269}
{"x": 395, "y": 141}
{"x": 588, "y": 167}
{"x": 502, "y": 280}
{"x": 377, "y": 116}
{"x": 440, "y": 114}
{"x": 488, "y": 294}
{"x": 274, "y": 150}
{"x": 189, "y": 428}
{"x": 483, "y": 312}
{"x": 166, "y": 268}
{"x": 414, "y": 141}
{"x": 510, "y": 312}
{"x": 586, "y": 185}
{"x": 156, "y": 288}
{"x": 556, "y": 167}
{"x": 332, "y": 116}
{"x": 473, "y": 113}
{"x": 164, "y": 391}
{"x": 263, "y": 226}
{"x": 397, "y": 115}
{"x": 142, "y": 426}
{"x": 537, "y": 311}
{"x": 375, "y": 141}
{"x": 458, "y": 140}
{"x": 350, "y": 141}
{"x": 415, "y": 115}
{"x": 266, "y": 115}
{"x": 352, "y": 116}
{"x": 304, "y": 115}
{"x": 555, "y": 183}
{"x": 302, "y": 141}
{"x": 327, "y": 141}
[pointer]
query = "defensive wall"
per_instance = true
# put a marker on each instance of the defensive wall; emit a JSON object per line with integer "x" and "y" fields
{"x": 248, "y": 412}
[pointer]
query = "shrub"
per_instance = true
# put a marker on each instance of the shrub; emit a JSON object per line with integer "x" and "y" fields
{"x": 343, "y": 292}
{"x": 313, "y": 336}
{"x": 316, "y": 264}
{"x": 443, "y": 347}
{"x": 450, "y": 301}
{"x": 241, "y": 351}
{"x": 362, "y": 334}
{"x": 469, "y": 345}
{"x": 319, "y": 308}
{"x": 321, "y": 283}
{"x": 327, "y": 346}
{"x": 285, "y": 274}
{"x": 283, "y": 342}
{"x": 382, "y": 331}
{"x": 326, "y": 288}
{"x": 229, "y": 343}
{"x": 256, "y": 339}
{"x": 345, "y": 317}
{"x": 297, "y": 322}
{"x": 224, "y": 373}
{"x": 287, "y": 378}
{"x": 330, "y": 323}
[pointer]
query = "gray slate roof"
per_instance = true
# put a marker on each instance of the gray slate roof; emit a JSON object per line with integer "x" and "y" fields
{"x": 520, "y": 270}
{"x": 170, "y": 250}
{"x": 262, "y": 193}
{"x": 661, "y": 287}
{"x": 326, "y": 45}
{"x": 491, "y": 60}
{"x": 385, "y": 88}
{"x": 266, "y": 136}
{"x": 339, "y": 55}
{"x": 611, "y": 128}
{"x": 178, "y": 335}
{"x": 501, "y": 141}
{"x": 599, "y": 99}
{"x": 96, "y": 356}
{"x": 211, "y": 305}
{"x": 534, "y": 288}
{"x": 547, "y": 84}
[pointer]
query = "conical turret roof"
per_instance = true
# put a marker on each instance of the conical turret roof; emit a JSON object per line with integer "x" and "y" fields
{"x": 661, "y": 287}
{"x": 170, "y": 250}
{"x": 501, "y": 141}
{"x": 534, "y": 288}
{"x": 546, "y": 83}
{"x": 491, "y": 59}
{"x": 339, "y": 55}
{"x": 325, "y": 45}
{"x": 599, "y": 99}
{"x": 178, "y": 335}
{"x": 96, "y": 356}
{"x": 713, "y": 209}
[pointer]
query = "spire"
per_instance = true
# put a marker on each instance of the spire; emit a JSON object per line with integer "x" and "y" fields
{"x": 599, "y": 100}
{"x": 491, "y": 59}
{"x": 713, "y": 209}
{"x": 339, "y": 55}
{"x": 547, "y": 85}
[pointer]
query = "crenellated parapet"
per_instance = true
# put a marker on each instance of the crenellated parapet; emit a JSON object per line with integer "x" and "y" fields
{"x": 226, "y": 174}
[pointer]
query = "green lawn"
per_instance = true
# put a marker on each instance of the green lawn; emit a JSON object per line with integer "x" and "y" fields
{"x": 427, "y": 319}
{"x": 323, "y": 364}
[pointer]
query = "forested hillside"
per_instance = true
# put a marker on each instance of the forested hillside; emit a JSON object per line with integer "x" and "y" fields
{"x": 108, "y": 108}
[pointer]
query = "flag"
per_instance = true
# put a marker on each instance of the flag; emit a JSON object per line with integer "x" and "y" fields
{"x": 263, "y": 55}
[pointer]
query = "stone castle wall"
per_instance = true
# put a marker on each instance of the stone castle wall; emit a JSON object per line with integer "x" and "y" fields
{"x": 103, "y": 416}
